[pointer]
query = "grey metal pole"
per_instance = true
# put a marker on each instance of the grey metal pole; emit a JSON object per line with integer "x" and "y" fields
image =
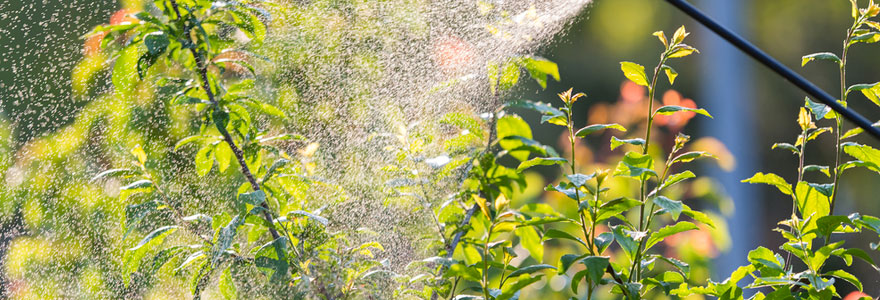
{"x": 728, "y": 95}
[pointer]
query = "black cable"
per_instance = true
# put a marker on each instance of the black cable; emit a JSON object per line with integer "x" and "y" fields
{"x": 776, "y": 66}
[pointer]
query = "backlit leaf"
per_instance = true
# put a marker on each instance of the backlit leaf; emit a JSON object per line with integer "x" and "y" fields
{"x": 820, "y": 56}
{"x": 671, "y": 109}
{"x": 634, "y": 72}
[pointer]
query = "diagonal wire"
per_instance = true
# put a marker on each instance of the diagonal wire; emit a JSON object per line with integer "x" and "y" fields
{"x": 776, "y": 66}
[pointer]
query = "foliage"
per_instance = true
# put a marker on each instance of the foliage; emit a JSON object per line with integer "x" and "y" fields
{"x": 808, "y": 233}
{"x": 481, "y": 230}
{"x": 265, "y": 229}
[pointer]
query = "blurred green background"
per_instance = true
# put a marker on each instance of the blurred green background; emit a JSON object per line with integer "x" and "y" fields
{"x": 40, "y": 45}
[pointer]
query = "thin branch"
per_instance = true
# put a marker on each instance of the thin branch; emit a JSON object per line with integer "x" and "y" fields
{"x": 239, "y": 155}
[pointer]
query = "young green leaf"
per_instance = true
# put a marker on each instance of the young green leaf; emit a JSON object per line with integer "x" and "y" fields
{"x": 615, "y": 142}
{"x": 815, "y": 168}
{"x": 509, "y": 126}
{"x": 204, "y": 160}
{"x": 226, "y": 286}
{"x": 676, "y": 178}
{"x": 848, "y": 277}
{"x": 690, "y": 156}
{"x": 786, "y": 146}
{"x": 771, "y": 179}
{"x": 531, "y": 241}
{"x": 596, "y": 266}
{"x": 820, "y": 56}
{"x": 540, "y": 161}
{"x": 539, "y": 68}
{"x": 671, "y": 74}
{"x": 871, "y": 91}
{"x": 584, "y": 132}
{"x": 635, "y": 164}
{"x": 531, "y": 269}
{"x": 820, "y": 111}
{"x": 671, "y": 109}
{"x": 634, "y": 72}
{"x": 271, "y": 259}
{"x": 662, "y": 37}
{"x": 667, "y": 231}
{"x": 673, "y": 207}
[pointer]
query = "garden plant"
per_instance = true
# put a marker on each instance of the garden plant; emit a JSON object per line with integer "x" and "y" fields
{"x": 237, "y": 207}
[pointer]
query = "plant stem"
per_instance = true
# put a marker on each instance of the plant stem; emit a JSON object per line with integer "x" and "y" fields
{"x": 637, "y": 268}
{"x": 843, "y": 96}
{"x": 577, "y": 193}
{"x": 486, "y": 261}
{"x": 202, "y": 70}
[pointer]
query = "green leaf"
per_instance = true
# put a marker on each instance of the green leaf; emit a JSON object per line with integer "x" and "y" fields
{"x": 871, "y": 91}
{"x": 596, "y": 266}
{"x": 204, "y": 160}
{"x": 579, "y": 180}
{"x": 820, "y": 111}
{"x": 301, "y": 213}
{"x": 868, "y": 38}
{"x": 187, "y": 140}
{"x": 673, "y": 207}
{"x": 227, "y": 287}
{"x": 540, "y": 161}
{"x": 549, "y": 113}
{"x": 634, "y": 72}
{"x": 815, "y": 168}
{"x": 584, "y": 132}
{"x": 670, "y": 73}
{"x": 676, "y": 178}
{"x": 132, "y": 257}
{"x": 820, "y": 56}
{"x": 635, "y": 164}
{"x": 140, "y": 186}
{"x": 135, "y": 213}
{"x": 224, "y": 238}
{"x": 461, "y": 270}
{"x": 826, "y": 225}
{"x": 510, "y": 291}
{"x": 251, "y": 25}
{"x": 615, "y": 142}
{"x": 812, "y": 202}
{"x": 864, "y": 153}
{"x": 697, "y": 216}
{"x": 626, "y": 242}
{"x": 114, "y": 173}
{"x": 771, "y": 179}
{"x": 664, "y": 232}
{"x": 846, "y": 276}
{"x": 509, "y": 76}
{"x": 566, "y": 261}
{"x": 615, "y": 207}
{"x": 559, "y": 234}
{"x": 786, "y": 146}
{"x": 509, "y": 126}
{"x": 531, "y": 269}
{"x": 852, "y": 132}
{"x": 682, "y": 50}
{"x": 602, "y": 241}
{"x": 124, "y": 75}
{"x": 223, "y": 154}
{"x": 690, "y": 156}
{"x": 671, "y": 109}
{"x": 156, "y": 42}
{"x": 271, "y": 259}
{"x": 531, "y": 241}
{"x": 254, "y": 198}
{"x": 539, "y": 68}
{"x": 763, "y": 257}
